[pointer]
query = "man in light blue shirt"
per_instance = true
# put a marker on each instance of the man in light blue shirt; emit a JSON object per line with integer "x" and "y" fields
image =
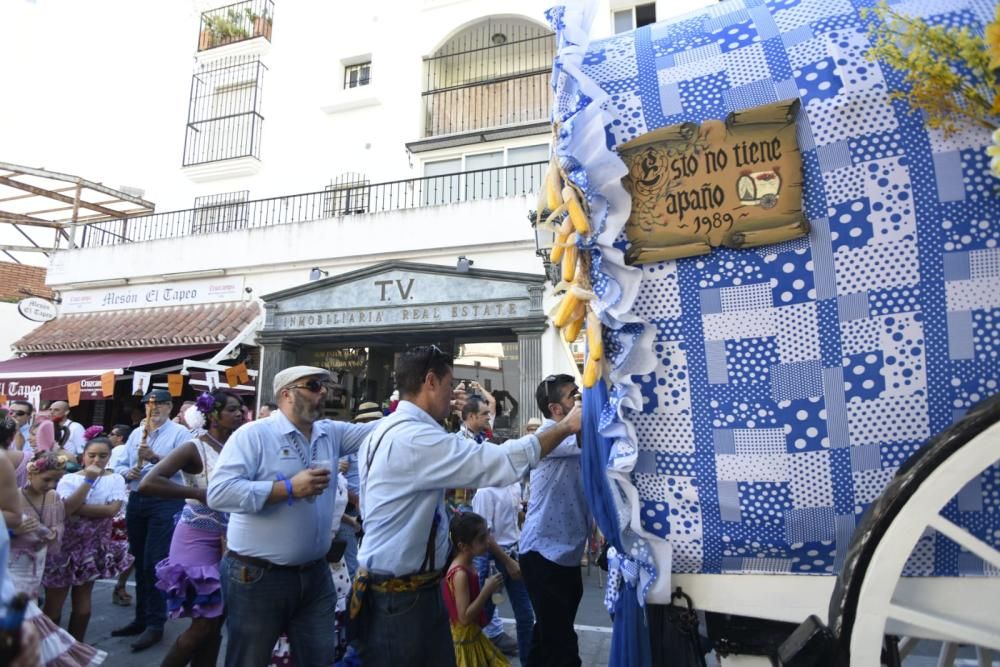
{"x": 406, "y": 464}
{"x": 149, "y": 520}
{"x": 273, "y": 477}
{"x": 555, "y": 533}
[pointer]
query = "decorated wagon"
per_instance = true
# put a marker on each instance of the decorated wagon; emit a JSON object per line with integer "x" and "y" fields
{"x": 790, "y": 282}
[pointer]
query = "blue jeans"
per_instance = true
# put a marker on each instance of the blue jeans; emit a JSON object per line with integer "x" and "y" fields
{"x": 346, "y": 533}
{"x": 262, "y": 603}
{"x": 150, "y": 525}
{"x": 408, "y": 629}
{"x": 517, "y": 593}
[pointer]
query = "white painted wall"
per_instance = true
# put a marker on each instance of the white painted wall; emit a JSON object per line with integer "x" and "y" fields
{"x": 107, "y": 85}
{"x": 494, "y": 233}
{"x": 111, "y": 99}
{"x": 12, "y": 327}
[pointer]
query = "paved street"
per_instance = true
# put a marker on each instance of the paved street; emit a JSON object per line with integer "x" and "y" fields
{"x": 594, "y": 627}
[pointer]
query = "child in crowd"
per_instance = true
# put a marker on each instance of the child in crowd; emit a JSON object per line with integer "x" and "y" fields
{"x": 40, "y": 532}
{"x": 88, "y": 553}
{"x": 464, "y": 599}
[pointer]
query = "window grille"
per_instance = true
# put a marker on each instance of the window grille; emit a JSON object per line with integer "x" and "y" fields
{"x": 224, "y": 212}
{"x": 224, "y": 112}
{"x": 348, "y": 195}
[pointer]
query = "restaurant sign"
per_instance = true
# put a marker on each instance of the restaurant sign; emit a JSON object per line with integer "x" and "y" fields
{"x": 37, "y": 309}
{"x": 154, "y": 295}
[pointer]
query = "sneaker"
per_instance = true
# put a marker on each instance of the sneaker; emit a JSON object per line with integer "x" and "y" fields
{"x": 506, "y": 644}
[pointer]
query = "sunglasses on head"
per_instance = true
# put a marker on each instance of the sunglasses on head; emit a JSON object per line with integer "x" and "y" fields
{"x": 561, "y": 379}
{"x": 315, "y": 386}
{"x": 433, "y": 353}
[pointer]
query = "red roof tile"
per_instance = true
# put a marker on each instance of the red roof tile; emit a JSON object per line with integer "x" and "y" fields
{"x": 150, "y": 327}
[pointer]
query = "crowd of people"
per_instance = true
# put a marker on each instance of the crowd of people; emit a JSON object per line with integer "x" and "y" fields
{"x": 386, "y": 540}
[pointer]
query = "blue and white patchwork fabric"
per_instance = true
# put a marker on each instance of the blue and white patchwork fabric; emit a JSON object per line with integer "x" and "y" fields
{"x": 763, "y": 398}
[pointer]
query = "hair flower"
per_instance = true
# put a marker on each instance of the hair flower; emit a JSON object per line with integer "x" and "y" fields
{"x": 205, "y": 403}
{"x": 92, "y": 432}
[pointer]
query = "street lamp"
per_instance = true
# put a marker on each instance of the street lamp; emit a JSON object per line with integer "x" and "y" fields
{"x": 545, "y": 239}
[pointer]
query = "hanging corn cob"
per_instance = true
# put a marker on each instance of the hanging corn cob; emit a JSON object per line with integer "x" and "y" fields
{"x": 569, "y": 221}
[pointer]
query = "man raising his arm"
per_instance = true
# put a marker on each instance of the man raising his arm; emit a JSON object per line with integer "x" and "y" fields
{"x": 406, "y": 464}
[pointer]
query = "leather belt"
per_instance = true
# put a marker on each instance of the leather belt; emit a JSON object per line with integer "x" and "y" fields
{"x": 268, "y": 565}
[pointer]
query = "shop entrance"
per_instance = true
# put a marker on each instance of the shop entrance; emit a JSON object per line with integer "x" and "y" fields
{"x": 365, "y": 374}
{"x": 357, "y": 323}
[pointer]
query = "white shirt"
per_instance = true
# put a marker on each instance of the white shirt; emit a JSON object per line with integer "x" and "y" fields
{"x": 75, "y": 443}
{"x": 404, "y": 490}
{"x": 106, "y": 490}
{"x": 499, "y": 505}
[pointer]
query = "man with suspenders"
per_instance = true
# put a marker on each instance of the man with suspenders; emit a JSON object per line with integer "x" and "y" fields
{"x": 406, "y": 464}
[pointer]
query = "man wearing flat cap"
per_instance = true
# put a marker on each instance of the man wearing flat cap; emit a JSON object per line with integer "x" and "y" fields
{"x": 273, "y": 478}
{"x": 149, "y": 520}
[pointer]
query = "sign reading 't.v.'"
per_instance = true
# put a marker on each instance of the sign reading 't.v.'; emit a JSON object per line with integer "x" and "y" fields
{"x": 404, "y": 293}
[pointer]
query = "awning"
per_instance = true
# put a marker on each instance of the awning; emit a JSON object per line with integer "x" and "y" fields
{"x": 46, "y": 375}
{"x": 156, "y": 328}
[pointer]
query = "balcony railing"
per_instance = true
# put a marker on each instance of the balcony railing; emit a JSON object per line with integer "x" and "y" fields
{"x": 483, "y": 88}
{"x": 235, "y": 23}
{"x": 342, "y": 200}
{"x": 224, "y": 118}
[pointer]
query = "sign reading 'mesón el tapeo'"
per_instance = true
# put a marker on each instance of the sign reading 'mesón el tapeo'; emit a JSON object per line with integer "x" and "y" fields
{"x": 735, "y": 183}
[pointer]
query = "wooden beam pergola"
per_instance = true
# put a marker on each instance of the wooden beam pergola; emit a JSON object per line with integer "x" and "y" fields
{"x": 40, "y": 198}
{"x": 42, "y": 192}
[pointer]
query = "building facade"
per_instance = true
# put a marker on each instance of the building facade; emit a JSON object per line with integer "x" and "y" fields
{"x": 382, "y": 153}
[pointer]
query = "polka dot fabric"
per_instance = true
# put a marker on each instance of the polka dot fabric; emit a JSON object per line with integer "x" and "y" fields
{"x": 789, "y": 383}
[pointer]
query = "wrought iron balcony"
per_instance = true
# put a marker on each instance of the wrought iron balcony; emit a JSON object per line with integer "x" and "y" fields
{"x": 352, "y": 197}
{"x": 224, "y": 119}
{"x": 482, "y": 88}
{"x": 235, "y": 23}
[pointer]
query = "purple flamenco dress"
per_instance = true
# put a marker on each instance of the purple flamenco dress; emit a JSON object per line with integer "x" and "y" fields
{"x": 189, "y": 575}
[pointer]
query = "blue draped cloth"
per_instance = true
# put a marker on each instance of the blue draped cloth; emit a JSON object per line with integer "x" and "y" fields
{"x": 630, "y": 638}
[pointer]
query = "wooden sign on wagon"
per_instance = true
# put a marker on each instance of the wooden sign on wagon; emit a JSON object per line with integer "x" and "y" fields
{"x": 735, "y": 183}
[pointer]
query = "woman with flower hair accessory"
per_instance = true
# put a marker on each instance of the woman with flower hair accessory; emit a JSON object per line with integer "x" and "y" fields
{"x": 88, "y": 553}
{"x": 40, "y": 533}
{"x": 189, "y": 576}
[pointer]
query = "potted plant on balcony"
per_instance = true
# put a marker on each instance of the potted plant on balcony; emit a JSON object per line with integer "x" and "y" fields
{"x": 261, "y": 23}
{"x": 206, "y": 39}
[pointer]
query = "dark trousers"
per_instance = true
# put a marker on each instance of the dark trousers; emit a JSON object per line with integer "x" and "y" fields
{"x": 150, "y": 525}
{"x": 263, "y": 602}
{"x": 407, "y": 629}
{"x": 555, "y": 591}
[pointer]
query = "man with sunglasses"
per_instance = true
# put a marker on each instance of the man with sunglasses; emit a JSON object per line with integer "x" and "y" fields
{"x": 22, "y": 412}
{"x": 555, "y": 533}
{"x": 273, "y": 477}
{"x": 149, "y": 520}
{"x": 406, "y": 464}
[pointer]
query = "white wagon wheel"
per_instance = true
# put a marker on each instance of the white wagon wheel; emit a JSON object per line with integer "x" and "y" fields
{"x": 872, "y": 598}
